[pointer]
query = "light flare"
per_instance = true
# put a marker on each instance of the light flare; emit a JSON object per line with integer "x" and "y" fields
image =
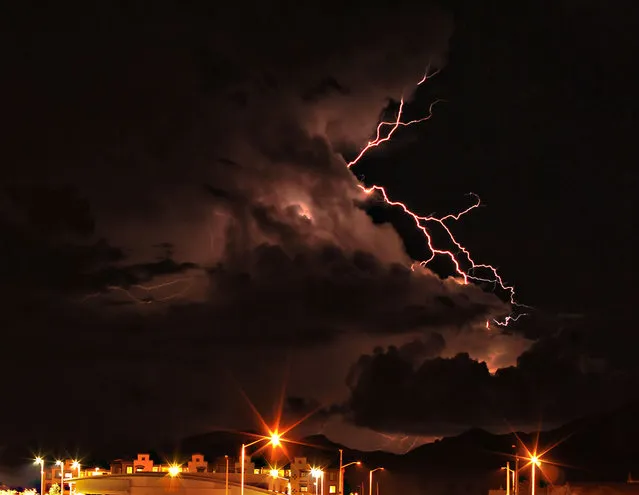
{"x": 465, "y": 267}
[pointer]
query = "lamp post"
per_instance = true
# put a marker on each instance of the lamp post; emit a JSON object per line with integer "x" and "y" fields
{"x": 508, "y": 471}
{"x": 516, "y": 472}
{"x": 370, "y": 479}
{"x": 61, "y": 465}
{"x": 317, "y": 474}
{"x": 274, "y": 440}
{"x": 226, "y": 485}
{"x": 40, "y": 461}
{"x": 534, "y": 462}
{"x": 341, "y": 471}
{"x": 76, "y": 465}
{"x": 341, "y": 468}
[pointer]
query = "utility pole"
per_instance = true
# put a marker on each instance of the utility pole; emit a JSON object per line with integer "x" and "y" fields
{"x": 341, "y": 475}
{"x": 226, "y": 491}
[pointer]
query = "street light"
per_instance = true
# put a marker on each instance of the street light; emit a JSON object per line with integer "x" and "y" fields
{"x": 275, "y": 440}
{"x": 74, "y": 465}
{"x": 341, "y": 471}
{"x": 174, "y": 470}
{"x": 508, "y": 471}
{"x": 226, "y": 485}
{"x": 534, "y": 462}
{"x": 317, "y": 474}
{"x": 370, "y": 479}
{"x": 61, "y": 464}
{"x": 40, "y": 461}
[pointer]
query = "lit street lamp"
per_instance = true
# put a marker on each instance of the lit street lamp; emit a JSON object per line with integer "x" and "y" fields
{"x": 534, "y": 462}
{"x": 370, "y": 479}
{"x": 274, "y": 440}
{"x": 174, "y": 470}
{"x": 508, "y": 471}
{"x": 61, "y": 465}
{"x": 317, "y": 474}
{"x": 226, "y": 484}
{"x": 341, "y": 471}
{"x": 75, "y": 465}
{"x": 40, "y": 461}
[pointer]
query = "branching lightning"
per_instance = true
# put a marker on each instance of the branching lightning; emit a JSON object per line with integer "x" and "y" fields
{"x": 186, "y": 282}
{"x": 465, "y": 266}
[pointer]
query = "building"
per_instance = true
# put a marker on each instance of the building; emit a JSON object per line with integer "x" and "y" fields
{"x": 591, "y": 488}
{"x": 197, "y": 464}
{"x": 154, "y": 483}
{"x": 298, "y": 478}
{"x": 143, "y": 463}
{"x": 54, "y": 475}
{"x": 305, "y": 478}
{"x": 122, "y": 466}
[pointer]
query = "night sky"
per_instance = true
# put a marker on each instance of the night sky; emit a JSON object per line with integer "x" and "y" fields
{"x": 179, "y": 224}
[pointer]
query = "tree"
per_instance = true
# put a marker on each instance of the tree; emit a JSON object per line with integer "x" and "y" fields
{"x": 55, "y": 489}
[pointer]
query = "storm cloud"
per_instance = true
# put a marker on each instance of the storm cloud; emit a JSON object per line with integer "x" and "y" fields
{"x": 552, "y": 382}
{"x": 209, "y": 218}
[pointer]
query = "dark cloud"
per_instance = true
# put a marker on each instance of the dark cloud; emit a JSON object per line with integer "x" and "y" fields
{"x": 563, "y": 376}
{"x": 205, "y": 145}
{"x": 47, "y": 251}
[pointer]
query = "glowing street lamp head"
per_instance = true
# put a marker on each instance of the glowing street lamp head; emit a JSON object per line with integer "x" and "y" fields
{"x": 274, "y": 473}
{"x": 174, "y": 470}
{"x": 535, "y": 460}
{"x": 75, "y": 465}
{"x": 39, "y": 460}
{"x": 58, "y": 463}
{"x": 316, "y": 472}
{"x": 276, "y": 439}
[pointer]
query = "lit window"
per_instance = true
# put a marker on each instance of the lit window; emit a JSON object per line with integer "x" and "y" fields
{"x": 129, "y": 469}
{"x": 155, "y": 469}
{"x": 303, "y": 488}
{"x": 332, "y": 489}
{"x": 256, "y": 471}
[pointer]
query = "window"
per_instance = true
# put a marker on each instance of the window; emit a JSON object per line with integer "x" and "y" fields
{"x": 303, "y": 488}
{"x": 129, "y": 469}
{"x": 155, "y": 469}
{"x": 256, "y": 471}
{"x": 331, "y": 477}
{"x": 332, "y": 489}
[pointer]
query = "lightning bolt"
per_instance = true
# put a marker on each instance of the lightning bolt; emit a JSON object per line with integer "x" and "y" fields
{"x": 187, "y": 283}
{"x": 465, "y": 266}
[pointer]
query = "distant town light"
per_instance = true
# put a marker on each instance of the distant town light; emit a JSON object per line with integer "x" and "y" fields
{"x": 174, "y": 470}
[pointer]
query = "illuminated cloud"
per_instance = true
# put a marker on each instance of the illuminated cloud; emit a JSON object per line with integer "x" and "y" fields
{"x": 236, "y": 236}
